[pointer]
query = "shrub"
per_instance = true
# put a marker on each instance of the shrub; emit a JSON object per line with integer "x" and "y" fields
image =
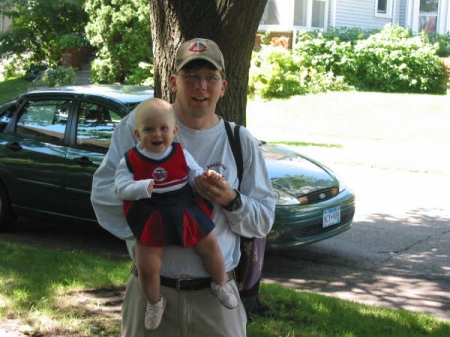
{"x": 274, "y": 73}
{"x": 34, "y": 72}
{"x": 327, "y": 55}
{"x": 345, "y": 34}
{"x": 121, "y": 32}
{"x": 394, "y": 60}
{"x": 390, "y": 60}
{"x": 443, "y": 43}
{"x": 75, "y": 40}
{"x": 278, "y": 72}
{"x": 58, "y": 76}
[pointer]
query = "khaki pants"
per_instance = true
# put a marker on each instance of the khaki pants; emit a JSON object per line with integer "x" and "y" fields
{"x": 187, "y": 314}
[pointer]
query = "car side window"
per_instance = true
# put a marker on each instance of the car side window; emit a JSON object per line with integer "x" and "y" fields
{"x": 6, "y": 113}
{"x": 96, "y": 124}
{"x": 44, "y": 120}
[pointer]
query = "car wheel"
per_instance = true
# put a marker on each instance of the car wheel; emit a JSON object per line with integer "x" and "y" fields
{"x": 6, "y": 214}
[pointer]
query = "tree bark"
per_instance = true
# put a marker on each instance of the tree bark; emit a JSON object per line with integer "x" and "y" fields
{"x": 232, "y": 24}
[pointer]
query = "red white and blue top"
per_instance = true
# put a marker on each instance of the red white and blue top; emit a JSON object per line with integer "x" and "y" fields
{"x": 173, "y": 214}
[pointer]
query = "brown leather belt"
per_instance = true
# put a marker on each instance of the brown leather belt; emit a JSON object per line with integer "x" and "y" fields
{"x": 185, "y": 284}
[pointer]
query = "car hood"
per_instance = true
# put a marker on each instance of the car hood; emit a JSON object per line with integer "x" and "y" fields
{"x": 296, "y": 174}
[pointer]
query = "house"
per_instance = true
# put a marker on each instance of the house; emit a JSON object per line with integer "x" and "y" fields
{"x": 285, "y": 17}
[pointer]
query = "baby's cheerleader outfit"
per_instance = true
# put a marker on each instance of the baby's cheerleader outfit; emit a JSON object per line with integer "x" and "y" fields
{"x": 172, "y": 215}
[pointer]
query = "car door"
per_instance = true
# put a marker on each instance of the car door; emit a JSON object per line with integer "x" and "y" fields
{"x": 95, "y": 124}
{"x": 33, "y": 154}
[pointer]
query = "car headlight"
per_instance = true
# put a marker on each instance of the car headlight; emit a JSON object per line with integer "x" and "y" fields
{"x": 284, "y": 199}
{"x": 342, "y": 186}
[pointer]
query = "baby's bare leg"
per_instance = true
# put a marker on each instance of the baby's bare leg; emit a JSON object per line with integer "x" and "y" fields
{"x": 148, "y": 261}
{"x": 212, "y": 258}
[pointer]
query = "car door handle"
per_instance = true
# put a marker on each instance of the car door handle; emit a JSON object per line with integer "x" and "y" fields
{"x": 14, "y": 146}
{"x": 83, "y": 161}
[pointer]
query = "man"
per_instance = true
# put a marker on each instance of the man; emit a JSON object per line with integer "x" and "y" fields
{"x": 198, "y": 83}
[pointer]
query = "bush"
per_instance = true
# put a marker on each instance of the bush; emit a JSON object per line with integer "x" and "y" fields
{"x": 394, "y": 60}
{"x": 34, "y": 72}
{"x": 278, "y": 72}
{"x": 344, "y": 34}
{"x": 390, "y": 60}
{"x": 58, "y": 76}
{"x": 275, "y": 73}
{"x": 442, "y": 42}
{"x": 121, "y": 32}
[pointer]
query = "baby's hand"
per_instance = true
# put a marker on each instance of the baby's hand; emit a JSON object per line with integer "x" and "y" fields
{"x": 150, "y": 188}
{"x": 213, "y": 175}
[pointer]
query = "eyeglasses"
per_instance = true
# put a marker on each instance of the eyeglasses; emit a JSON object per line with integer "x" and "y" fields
{"x": 194, "y": 78}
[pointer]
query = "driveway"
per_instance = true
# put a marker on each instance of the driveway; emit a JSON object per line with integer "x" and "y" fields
{"x": 395, "y": 255}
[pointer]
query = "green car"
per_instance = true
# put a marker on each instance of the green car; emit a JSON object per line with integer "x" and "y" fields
{"x": 53, "y": 140}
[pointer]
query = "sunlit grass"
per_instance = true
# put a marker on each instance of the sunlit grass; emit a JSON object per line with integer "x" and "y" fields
{"x": 387, "y": 131}
{"x": 12, "y": 88}
{"x": 350, "y": 116}
{"x": 294, "y": 143}
{"x": 42, "y": 289}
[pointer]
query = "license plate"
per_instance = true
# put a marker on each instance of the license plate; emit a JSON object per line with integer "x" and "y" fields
{"x": 331, "y": 216}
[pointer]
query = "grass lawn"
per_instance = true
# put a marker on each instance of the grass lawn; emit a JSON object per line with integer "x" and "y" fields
{"x": 388, "y": 131}
{"x": 48, "y": 290}
{"x": 61, "y": 293}
{"x": 12, "y": 88}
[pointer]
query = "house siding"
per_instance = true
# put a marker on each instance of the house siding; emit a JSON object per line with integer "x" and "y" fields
{"x": 400, "y": 12}
{"x": 446, "y": 9}
{"x": 351, "y": 14}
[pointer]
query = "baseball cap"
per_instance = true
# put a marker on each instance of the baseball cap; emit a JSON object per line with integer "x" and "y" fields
{"x": 202, "y": 49}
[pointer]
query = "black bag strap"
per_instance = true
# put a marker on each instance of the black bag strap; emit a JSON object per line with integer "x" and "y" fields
{"x": 235, "y": 143}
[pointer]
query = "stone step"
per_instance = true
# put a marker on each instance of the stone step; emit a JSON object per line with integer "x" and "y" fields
{"x": 83, "y": 76}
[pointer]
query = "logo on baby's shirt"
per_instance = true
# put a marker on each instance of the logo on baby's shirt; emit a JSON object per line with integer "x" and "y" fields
{"x": 159, "y": 174}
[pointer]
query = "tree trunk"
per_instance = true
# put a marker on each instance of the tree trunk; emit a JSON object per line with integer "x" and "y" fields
{"x": 232, "y": 24}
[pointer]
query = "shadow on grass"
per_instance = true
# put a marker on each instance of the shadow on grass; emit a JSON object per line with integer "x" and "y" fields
{"x": 293, "y": 313}
{"x": 390, "y": 273}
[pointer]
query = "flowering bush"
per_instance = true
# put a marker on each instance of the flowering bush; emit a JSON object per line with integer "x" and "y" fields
{"x": 389, "y": 60}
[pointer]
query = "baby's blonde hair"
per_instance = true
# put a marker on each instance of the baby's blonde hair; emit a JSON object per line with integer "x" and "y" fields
{"x": 153, "y": 106}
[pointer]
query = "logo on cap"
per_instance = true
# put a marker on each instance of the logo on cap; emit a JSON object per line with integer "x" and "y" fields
{"x": 197, "y": 47}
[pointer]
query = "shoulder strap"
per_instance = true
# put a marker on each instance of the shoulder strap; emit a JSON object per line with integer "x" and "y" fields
{"x": 235, "y": 143}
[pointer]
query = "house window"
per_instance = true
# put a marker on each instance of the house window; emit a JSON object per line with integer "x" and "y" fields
{"x": 428, "y": 15}
{"x": 310, "y": 13}
{"x": 283, "y": 14}
{"x": 383, "y": 8}
{"x": 274, "y": 14}
{"x": 318, "y": 14}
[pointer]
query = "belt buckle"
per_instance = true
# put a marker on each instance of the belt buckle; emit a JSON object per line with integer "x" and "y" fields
{"x": 178, "y": 284}
{"x": 179, "y": 281}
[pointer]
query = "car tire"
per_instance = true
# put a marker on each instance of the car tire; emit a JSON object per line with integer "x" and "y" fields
{"x": 7, "y": 216}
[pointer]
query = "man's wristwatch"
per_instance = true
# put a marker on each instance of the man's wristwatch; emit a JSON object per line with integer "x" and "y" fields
{"x": 235, "y": 203}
